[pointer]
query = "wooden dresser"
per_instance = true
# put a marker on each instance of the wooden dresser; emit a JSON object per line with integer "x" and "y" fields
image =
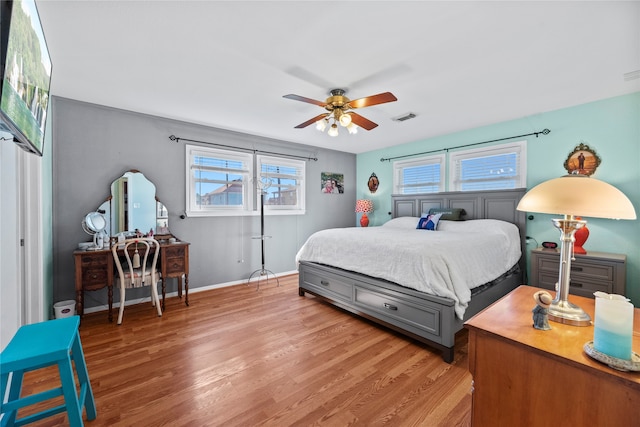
{"x": 526, "y": 377}
{"x": 95, "y": 270}
{"x": 595, "y": 271}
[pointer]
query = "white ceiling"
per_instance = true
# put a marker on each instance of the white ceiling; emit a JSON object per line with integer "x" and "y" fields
{"x": 456, "y": 65}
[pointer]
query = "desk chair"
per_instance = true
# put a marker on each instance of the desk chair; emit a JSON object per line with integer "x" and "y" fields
{"x": 138, "y": 270}
{"x": 37, "y": 346}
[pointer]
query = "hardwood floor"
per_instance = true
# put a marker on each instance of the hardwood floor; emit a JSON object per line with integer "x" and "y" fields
{"x": 241, "y": 357}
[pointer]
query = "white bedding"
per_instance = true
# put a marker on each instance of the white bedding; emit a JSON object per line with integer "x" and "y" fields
{"x": 449, "y": 262}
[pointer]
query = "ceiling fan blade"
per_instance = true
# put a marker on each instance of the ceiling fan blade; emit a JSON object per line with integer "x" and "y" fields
{"x": 361, "y": 121}
{"x": 305, "y": 99}
{"x": 311, "y": 121}
{"x": 368, "y": 101}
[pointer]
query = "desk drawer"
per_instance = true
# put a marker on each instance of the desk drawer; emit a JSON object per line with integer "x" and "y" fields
{"x": 175, "y": 265}
{"x": 94, "y": 278}
{"x": 99, "y": 260}
{"x": 174, "y": 252}
{"x": 175, "y": 259}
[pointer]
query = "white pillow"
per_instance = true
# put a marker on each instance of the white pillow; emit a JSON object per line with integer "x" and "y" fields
{"x": 402, "y": 222}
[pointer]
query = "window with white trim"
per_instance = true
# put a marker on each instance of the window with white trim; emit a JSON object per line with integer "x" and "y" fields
{"x": 218, "y": 181}
{"x": 423, "y": 175}
{"x": 491, "y": 168}
{"x": 282, "y": 181}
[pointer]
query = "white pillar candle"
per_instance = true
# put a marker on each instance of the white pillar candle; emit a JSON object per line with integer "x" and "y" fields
{"x": 613, "y": 331}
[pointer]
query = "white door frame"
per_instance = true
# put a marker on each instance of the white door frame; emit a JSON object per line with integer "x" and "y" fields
{"x": 31, "y": 244}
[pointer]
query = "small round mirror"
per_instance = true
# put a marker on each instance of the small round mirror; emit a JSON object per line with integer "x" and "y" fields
{"x": 94, "y": 223}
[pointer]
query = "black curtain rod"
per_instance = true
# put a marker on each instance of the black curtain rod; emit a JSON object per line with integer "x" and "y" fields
{"x": 253, "y": 150}
{"x": 388, "y": 159}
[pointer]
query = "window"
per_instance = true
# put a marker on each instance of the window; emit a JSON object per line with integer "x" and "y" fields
{"x": 492, "y": 168}
{"x": 221, "y": 182}
{"x": 283, "y": 183}
{"x": 424, "y": 175}
{"x": 218, "y": 181}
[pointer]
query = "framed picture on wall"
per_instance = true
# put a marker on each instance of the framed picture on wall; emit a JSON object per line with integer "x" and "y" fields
{"x": 332, "y": 183}
{"x": 583, "y": 160}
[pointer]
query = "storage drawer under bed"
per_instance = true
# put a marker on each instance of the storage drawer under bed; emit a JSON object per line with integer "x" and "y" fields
{"x": 399, "y": 310}
{"x": 328, "y": 284}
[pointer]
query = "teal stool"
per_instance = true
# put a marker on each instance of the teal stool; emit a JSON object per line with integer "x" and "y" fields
{"x": 37, "y": 346}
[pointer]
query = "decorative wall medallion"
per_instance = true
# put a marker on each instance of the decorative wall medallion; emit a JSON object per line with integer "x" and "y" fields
{"x": 373, "y": 183}
{"x": 583, "y": 160}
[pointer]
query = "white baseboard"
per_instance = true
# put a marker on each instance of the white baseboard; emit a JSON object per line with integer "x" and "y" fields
{"x": 191, "y": 291}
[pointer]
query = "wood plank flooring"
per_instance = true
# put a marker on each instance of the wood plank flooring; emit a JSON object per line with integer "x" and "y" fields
{"x": 242, "y": 357}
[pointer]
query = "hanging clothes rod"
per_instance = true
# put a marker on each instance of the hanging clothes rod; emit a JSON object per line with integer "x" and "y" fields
{"x": 252, "y": 150}
{"x": 388, "y": 159}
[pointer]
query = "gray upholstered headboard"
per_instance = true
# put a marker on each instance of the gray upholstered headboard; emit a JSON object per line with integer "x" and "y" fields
{"x": 493, "y": 204}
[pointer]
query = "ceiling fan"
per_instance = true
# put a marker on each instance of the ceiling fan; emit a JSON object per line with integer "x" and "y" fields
{"x": 339, "y": 108}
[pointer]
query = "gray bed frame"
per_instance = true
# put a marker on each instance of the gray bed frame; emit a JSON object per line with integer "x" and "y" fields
{"x": 427, "y": 318}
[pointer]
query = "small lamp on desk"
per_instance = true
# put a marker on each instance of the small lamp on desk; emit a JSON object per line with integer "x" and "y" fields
{"x": 571, "y": 196}
{"x": 364, "y": 206}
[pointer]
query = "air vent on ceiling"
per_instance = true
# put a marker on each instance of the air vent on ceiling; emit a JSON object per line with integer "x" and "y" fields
{"x": 404, "y": 117}
{"x": 632, "y": 75}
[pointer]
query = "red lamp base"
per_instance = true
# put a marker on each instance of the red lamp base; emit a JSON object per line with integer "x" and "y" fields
{"x": 364, "y": 221}
{"x": 581, "y": 235}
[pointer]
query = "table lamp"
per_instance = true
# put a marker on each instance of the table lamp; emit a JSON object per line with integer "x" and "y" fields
{"x": 572, "y": 196}
{"x": 364, "y": 206}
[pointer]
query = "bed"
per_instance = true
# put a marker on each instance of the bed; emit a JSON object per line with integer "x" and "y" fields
{"x": 396, "y": 296}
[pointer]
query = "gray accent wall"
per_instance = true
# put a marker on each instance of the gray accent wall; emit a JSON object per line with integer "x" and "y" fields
{"x": 94, "y": 145}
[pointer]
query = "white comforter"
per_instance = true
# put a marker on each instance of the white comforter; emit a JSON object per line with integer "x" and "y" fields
{"x": 449, "y": 262}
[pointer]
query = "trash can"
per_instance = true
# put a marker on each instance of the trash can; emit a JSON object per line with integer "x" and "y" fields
{"x": 64, "y": 309}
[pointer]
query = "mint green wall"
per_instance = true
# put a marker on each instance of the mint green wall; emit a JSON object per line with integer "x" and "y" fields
{"x": 611, "y": 127}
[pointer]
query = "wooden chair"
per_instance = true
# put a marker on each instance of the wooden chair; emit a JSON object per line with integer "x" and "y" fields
{"x": 36, "y": 346}
{"x": 138, "y": 270}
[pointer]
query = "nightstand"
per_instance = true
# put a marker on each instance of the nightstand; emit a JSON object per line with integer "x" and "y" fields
{"x": 595, "y": 271}
{"x": 526, "y": 377}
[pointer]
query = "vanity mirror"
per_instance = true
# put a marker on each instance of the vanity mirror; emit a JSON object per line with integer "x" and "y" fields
{"x": 133, "y": 206}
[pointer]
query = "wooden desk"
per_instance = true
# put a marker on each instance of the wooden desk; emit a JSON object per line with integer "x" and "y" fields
{"x": 95, "y": 270}
{"x": 525, "y": 377}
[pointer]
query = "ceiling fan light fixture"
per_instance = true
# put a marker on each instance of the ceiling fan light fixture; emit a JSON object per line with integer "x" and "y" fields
{"x": 338, "y": 110}
{"x": 321, "y": 124}
{"x": 345, "y": 120}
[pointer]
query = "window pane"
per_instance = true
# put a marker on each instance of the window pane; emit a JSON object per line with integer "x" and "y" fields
{"x": 423, "y": 175}
{"x": 420, "y": 179}
{"x": 217, "y": 188}
{"x": 282, "y": 181}
{"x": 499, "y": 166}
{"x": 218, "y": 180}
{"x": 493, "y": 168}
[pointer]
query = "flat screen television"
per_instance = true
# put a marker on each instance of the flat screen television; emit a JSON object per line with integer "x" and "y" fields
{"x": 26, "y": 74}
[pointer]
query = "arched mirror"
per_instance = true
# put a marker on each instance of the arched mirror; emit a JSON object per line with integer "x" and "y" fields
{"x": 134, "y": 206}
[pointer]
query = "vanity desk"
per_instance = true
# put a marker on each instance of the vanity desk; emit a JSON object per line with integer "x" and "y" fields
{"x": 132, "y": 208}
{"x": 95, "y": 270}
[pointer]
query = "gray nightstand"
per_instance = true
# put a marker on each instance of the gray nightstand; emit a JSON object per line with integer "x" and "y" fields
{"x": 595, "y": 271}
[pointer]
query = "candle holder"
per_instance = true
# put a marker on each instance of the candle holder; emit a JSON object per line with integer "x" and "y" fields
{"x": 613, "y": 362}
